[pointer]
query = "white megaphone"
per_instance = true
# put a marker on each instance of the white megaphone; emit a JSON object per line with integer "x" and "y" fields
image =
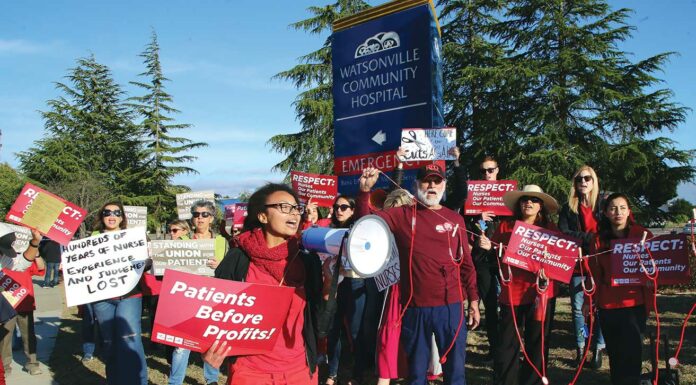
{"x": 367, "y": 245}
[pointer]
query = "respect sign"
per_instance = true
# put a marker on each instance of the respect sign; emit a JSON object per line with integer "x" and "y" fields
{"x": 22, "y": 237}
{"x": 428, "y": 143}
{"x": 51, "y": 215}
{"x": 136, "y": 216}
{"x": 193, "y": 312}
{"x": 184, "y": 202}
{"x": 103, "y": 266}
{"x": 13, "y": 292}
{"x": 487, "y": 195}
{"x": 532, "y": 248}
{"x": 190, "y": 256}
{"x": 670, "y": 253}
{"x": 321, "y": 188}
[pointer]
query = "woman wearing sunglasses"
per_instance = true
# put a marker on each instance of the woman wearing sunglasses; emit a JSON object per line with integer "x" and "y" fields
{"x": 531, "y": 206}
{"x": 120, "y": 318}
{"x": 179, "y": 229}
{"x": 579, "y": 218}
{"x": 203, "y": 220}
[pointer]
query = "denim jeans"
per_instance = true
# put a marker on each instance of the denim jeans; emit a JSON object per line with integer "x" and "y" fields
{"x": 51, "y": 271}
{"x": 120, "y": 326}
{"x": 180, "y": 359}
{"x": 88, "y": 329}
{"x": 577, "y": 298}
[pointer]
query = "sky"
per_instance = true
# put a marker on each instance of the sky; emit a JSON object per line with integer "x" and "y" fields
{"x": 221, "y": 57}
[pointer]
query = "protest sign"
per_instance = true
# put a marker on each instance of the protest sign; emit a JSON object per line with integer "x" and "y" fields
{"x": 240, "y": 214}
{"x": 532, "y": 248}
{"x": 190, "y": 256}
{"x": 184, "y": 202}
{"x": 195, "y": 311}
{"x": 670, "y": 253}
{"x": 136, "y": 216}
{"x": 321, "y": 188}
{"x": 392, "y": 272}
{"x": 484, "y": 195}
{"x": 22, "y": 237}
{"x": 428, "y": 143}
{"x": 12, "y": 290}
{"x": 51, "y": 215}
{"x": 105, "y": 265}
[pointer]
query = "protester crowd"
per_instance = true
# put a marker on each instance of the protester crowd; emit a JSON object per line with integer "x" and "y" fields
{"x": 416, "y": 329}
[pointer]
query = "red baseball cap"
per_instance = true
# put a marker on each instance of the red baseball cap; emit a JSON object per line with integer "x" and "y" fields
{"x": 430, "y": 169}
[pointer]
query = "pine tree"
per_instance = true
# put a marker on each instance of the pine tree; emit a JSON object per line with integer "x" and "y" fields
{"x": 311, "y": 149}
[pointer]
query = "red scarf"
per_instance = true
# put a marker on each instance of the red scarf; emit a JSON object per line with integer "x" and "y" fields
{"x": 274, "y": 261}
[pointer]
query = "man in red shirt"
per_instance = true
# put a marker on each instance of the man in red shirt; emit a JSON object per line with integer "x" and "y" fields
{"x": 437, "y": 274}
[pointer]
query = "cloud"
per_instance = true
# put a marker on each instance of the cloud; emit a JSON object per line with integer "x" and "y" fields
{"x": 20, "y": 46}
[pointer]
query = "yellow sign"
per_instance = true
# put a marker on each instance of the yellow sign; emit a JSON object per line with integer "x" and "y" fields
{"x": 43, "y": 212}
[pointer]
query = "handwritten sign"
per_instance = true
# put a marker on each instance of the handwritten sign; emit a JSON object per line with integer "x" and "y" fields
{"x": 321, "y": 188}
{"x": 51, "y": 215}
{"x": 195, "y": 311}
{"x": 136, "y": 216}
{"x": 485, "y": 195}
{"x": 392, "y": 272}
{"x": 22, "y": 237}
{"x": 428, "y": 143}
{"x": 12, "y": 290}
{"x": 670, "y": 252}
{"x": 184, "y": 202}
{"x": 532, "y": 248}
{"x": 103, "y": 266}
{"x": 190, "y": 256}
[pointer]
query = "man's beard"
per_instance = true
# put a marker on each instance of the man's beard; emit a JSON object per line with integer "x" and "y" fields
{"x": 429, "y": 200}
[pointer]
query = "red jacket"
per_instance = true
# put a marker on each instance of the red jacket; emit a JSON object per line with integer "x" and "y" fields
{"x": 523, "y": 285}
{"x": 616, "y": 297}
{"x": 28, "y": 304}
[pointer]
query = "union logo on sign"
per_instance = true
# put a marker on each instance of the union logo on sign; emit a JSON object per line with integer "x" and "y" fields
{"x": 378, "y": 43}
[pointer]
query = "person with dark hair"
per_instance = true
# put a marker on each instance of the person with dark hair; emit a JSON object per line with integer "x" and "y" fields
{"x": 269, "y": 253}
{"x": 531, "y": 206}
{"x": 622, "y": 309}
{"x": 119, "y": 318}
{"x": 51, "y": 251}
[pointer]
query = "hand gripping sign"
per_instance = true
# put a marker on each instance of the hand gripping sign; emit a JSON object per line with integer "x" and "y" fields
{"x": 532, "y": 248}
{"x": 321, "y": 188}
{"x": 669, "y": 252}
{"x": 487, "y": 195}
{"x": 193, "y": 312}
{"x": 51, "y": 215}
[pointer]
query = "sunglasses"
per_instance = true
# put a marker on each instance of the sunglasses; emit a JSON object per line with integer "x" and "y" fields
{"x": 580, "y": 178}
{"x": 204, "y": 214}
{"x": 488, "y": 170}
{"x": 532, "y": 199}
{"x": 342, "y": 207}
{"x": 107, "y": 213}
{"x": 175, "y": 230}
{"x": 287, "y": 208}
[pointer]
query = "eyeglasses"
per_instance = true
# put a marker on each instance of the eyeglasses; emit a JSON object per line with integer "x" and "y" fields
{"x": 204, "y": 214}
{"x": 532, "y": 199}
{"x": 342, "y": 207}
{"x": 287, "y": 208}
{"x": 175, "y": 230}
{"x": 107, "y": 213}
{"x": 580, "y": 178}
{"x": 490, "y": 170}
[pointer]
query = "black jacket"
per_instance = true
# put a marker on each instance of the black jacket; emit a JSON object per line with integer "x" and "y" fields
{"x": 569, "y": 223}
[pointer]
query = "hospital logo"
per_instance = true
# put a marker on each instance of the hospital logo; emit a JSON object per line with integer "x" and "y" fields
{"x": 378, "y": 43}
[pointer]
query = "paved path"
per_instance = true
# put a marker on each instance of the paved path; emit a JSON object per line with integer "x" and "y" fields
{"x": 49, "y": 304}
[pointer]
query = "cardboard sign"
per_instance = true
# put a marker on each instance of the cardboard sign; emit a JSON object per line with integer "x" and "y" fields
{"x": 392, "y": 273}
{"x": 670, "y": 252}
{"x": 184, "y": 202}
{"x": 428, "y": 143}
{"x": 22, "y": 237}
{"x": 103, "y": 266}
{"x": 136, "y": 216}
{"x": 195, "y": 311}
{"x": 13, "y": 292}
{"x": 484, "y": 195}
{"x": 190, "y": 256}
{"x": 321, "y": 188}
{"x": 51, "y": 215}
{"x": 532, "y": 248}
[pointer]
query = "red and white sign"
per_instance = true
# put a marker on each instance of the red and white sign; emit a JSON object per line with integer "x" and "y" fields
{"x": 484, "y": 195}
{"x": 13, "y": 292}
{"x": 384, "y": 161}
{"x": 194, "y": 311}
{"x": 236, "y": 213}
{"x": 321, "y": 188}
{"x": 532, "y": 248}
{"x": 670, "y": 253}
{"x": 63, "y": 228}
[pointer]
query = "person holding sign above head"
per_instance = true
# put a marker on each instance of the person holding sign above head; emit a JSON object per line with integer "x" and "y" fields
{"x": 525, "y": 295}
{"x": 579, "y": 218}
{"x": 119, "y": 318}
{"x": 622, "y": 309}
{"x": 269, "y": 253}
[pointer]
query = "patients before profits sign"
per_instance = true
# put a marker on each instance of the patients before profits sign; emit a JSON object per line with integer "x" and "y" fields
{"x": 51, "y": 215}
{"x": 321, "y": 188}
{"x": 103, "y": 266}
{"x": 193, "y": 312}
{"x": 532, "y": 248}
{"x": 184, "y": 202}
{"x": 670, "y": 253}
{"x": 487, "y": 196}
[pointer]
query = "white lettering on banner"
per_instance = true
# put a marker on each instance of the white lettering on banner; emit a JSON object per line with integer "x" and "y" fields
{"x": 190, "y": 256}
{"x": 545, "y": 237}
{"x": 313, "y": 180}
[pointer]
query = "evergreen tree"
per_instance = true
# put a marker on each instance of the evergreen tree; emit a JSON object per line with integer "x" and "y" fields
{"x": 11, "y": 184}
{"x": 312, "y": 149}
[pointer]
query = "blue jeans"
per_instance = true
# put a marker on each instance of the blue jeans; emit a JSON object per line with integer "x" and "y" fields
{"x": 180, "y": 359}
{"x": 577, "y": 299}
{"x": 120, "y": 326}
{"x": 51, "y": 271}
{"x": 88, "y": 329}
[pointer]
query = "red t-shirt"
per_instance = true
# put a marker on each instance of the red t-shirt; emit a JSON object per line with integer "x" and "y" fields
{"x": 28, "y": 304}
{"x": 588, "y": 222}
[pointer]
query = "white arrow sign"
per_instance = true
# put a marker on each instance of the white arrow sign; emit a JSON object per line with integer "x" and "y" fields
{"x": 380, "y": 137}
